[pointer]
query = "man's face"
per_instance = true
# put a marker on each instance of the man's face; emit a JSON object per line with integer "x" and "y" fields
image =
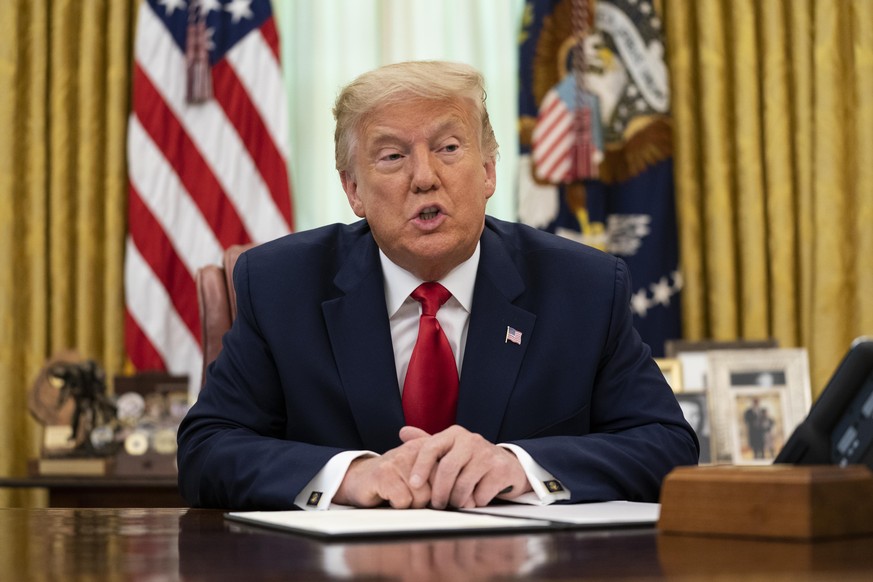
{"x": 419, "y": 178}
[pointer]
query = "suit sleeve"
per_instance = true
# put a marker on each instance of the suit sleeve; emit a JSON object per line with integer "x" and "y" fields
{"x": 234, "y": 450}
{"x": 637, "y": 430}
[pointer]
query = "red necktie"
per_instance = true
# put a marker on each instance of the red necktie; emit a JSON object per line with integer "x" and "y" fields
{"x": 430, "y": 391}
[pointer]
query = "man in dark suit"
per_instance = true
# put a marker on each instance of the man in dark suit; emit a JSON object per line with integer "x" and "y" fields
{"x": 313, "y": 397}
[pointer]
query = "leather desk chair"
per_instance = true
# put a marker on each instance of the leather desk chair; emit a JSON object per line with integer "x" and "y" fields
{"x": 216, "y": 300}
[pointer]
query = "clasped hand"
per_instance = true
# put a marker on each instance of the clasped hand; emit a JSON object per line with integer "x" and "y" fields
{"x": 454, "y": 468}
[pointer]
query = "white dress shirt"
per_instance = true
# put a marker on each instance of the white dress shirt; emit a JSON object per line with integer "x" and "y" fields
{"x": 403, "y": 315}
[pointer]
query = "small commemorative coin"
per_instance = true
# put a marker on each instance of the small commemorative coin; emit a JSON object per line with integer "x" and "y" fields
{"x": 165, "y": 441}
{"x": 130, "y": 407}
{"x": 101, "y": 437}
{"x": 136, "y": 443}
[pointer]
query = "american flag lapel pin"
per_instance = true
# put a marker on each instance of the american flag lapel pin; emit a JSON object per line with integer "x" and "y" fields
{"x": 512, "y": 335}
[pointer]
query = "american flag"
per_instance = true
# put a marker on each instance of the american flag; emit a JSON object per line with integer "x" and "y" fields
{"x": 553, "y": 140}
{"x": 207, "y": 166}
{"x": 512, "y": 335}
{"x": 565, "y": 143}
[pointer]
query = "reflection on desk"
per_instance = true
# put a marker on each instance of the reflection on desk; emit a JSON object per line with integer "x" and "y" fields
{"x": 178, "y": 544}
{"x": 537, "y": 556}
{"x": 465, "y": 558}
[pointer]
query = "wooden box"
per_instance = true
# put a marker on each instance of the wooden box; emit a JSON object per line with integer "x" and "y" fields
{"x": 776, "y": 501}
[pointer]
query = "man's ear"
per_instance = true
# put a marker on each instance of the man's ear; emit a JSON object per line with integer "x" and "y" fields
{"x": 350, "y": 186}
{"x": 490, "y": 177}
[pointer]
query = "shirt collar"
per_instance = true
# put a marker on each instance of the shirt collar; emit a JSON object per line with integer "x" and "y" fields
{"x": 400, "y": 283}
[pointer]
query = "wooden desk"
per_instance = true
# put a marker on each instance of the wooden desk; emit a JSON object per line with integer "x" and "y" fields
{"x": 178, "y": 544}
{"x": 103, "y": 491}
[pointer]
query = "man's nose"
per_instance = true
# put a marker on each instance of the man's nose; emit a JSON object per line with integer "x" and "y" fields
{"x": 424, "y": 174}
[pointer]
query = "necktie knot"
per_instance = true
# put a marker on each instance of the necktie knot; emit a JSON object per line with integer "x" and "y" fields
{"x": 431, "y": 295}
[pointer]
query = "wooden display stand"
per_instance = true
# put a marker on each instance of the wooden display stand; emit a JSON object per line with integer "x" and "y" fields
{"x": 778, "y": 501}
{"x": 161, "y": 405}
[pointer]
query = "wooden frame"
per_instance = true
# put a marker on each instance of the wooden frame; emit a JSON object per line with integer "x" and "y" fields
{"x": 757, "y": 398}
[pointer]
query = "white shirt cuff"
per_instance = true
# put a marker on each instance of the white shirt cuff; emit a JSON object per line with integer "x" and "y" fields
{"x": 319, "y": 492}
{"x": 546, "y": 489}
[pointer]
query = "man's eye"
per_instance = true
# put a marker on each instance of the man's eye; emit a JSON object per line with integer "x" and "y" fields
{"x": 392, "y": 157}
{"x": 452, "y": 147}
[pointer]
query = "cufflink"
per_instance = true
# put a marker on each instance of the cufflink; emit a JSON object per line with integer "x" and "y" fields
{"x": 314, "y": 498}
{"x": 553, "y": 485}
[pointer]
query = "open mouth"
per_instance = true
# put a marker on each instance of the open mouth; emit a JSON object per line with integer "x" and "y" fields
{"x": 428, "y": 213}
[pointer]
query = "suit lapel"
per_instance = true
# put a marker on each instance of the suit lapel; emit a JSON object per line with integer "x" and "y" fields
{"x": 357, "y": 323}
{"x": 491, "y": 363}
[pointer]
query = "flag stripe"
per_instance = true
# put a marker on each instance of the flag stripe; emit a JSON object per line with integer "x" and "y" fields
{"x": 271, "y": 37}
{"x": 554, "y": 151}
{"x": 553, "y": 140}
{"x": 262, "y": 79}
{"x": 157, "y": 250}
{"x": 231, "y": 94}
{"x": 161, "y": 191}
{"x": 142, "y": 353}
{"x": 168, "y": 335}
{"x": 193, "y": 171}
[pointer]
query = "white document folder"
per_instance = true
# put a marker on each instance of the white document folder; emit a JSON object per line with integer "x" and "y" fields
{"x": 604, "y": 514}
{"x": 386, "y": 522}
{"x": 383, "y": 522}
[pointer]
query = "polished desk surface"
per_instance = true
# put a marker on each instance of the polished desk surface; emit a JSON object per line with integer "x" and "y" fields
{"x": 179, "y": 544}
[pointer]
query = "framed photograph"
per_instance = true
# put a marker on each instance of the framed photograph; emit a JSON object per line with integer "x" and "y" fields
{"x": 672, "y": 370}
{"x": 758, "y": 397}
{"x": 695, "y": 408}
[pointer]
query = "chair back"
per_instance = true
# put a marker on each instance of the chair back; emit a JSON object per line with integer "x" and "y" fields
{"x": 216, "y": 301}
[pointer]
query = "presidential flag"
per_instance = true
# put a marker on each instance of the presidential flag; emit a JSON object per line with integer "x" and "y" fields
{"x": 596, "y": 143}
{"x": 207, "y": 168}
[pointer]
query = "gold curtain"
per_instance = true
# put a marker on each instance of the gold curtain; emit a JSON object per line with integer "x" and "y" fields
{"x": 773, "y": 110}
{"x": 64, "y": 98}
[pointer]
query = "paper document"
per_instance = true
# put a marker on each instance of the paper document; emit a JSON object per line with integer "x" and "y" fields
{"x": 373, "y": 522}
{"x": 604, "y": 514}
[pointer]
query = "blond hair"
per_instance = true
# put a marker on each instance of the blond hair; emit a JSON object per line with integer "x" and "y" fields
{"x": 436, "y": 80}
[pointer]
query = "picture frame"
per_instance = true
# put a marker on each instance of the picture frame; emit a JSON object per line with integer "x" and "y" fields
{"x": 672, "y": 370}
{"x": 693, "y": 356}
{"x": 758, "y": 397}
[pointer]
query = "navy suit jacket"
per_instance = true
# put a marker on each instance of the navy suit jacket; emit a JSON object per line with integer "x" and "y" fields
{"x": 307, "y": 370}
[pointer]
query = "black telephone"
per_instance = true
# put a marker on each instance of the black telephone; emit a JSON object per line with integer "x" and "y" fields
{"x": 839, "y": 427}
